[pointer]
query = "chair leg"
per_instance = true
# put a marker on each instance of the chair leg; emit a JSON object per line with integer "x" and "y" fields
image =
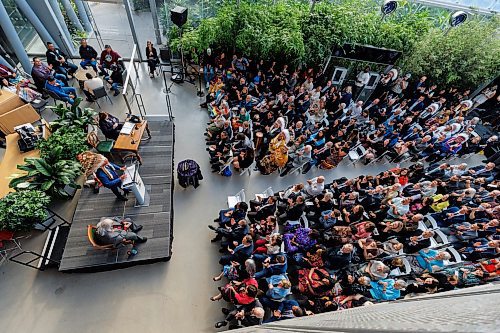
{"x": 97, "y": 103}
{"x": 109, "y": 99}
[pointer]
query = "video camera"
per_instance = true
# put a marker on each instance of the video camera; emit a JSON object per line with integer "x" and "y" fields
{"x": 28, "y": 137}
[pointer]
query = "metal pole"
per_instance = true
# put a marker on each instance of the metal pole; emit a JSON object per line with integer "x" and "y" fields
{"x": 82, "y": 12}
{"x": 28, "y": 12}
{"x": 156, "y": 24}
{"x": 72, "y": 15}
{"x": 12, "y": 36}
{"x": 57, "y": 11}
{"x": 132, "y": 26}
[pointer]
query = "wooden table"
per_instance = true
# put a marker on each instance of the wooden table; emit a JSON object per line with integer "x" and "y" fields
{"x": 80, "y": 75}
{"x": 132, "y": 141}
{"x": 12, "y": 157}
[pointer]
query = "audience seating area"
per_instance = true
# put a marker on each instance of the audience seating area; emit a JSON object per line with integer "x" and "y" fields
{"x": 277, "y": 119}
{"x": 318, "y": 246}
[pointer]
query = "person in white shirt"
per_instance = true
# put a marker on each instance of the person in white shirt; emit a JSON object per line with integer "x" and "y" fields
{"x": 361, "y": 80}
{"x": 356, "y": 109}
{"x": 90, "y": 85}
{"x": 315, "y": 186}
{"x": 399, "y": 206}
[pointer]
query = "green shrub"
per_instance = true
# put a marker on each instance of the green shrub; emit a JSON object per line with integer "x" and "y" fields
{"x": 19, "y": 211}
{"x": 72, "y": 140}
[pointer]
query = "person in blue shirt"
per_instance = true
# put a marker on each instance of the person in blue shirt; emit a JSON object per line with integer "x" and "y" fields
{"x": 66, "y": 94}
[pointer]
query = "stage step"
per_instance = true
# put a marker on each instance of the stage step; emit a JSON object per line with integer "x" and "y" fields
{"x": 53, "y": 247}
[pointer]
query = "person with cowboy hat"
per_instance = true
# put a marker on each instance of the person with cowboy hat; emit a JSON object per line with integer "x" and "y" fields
{"x": 104, "y": 171}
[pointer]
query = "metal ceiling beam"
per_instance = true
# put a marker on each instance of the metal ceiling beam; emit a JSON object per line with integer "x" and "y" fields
{"x": 490, "y": 10}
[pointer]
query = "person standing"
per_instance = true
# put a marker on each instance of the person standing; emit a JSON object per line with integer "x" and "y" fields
{"x": 104, "y": 171}
{"x": 57, "y": 59}
{"x": 88, "y": 55}
{"x": 361, "y": 81}
{"x": 152, "y": 56}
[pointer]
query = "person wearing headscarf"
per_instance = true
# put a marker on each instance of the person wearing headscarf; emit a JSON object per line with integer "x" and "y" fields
{"x": 104, "y": 171}
{"x": 278, "y": 154}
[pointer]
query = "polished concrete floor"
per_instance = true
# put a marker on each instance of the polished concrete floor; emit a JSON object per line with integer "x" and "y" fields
{"x": 162, "y": 297}
{"x": 172, "y": 296}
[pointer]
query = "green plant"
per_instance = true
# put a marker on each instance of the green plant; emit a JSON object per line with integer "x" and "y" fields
{"x": 73, "y": 116}
{"x": 19, "y": 211}
{"x": 464, "y": 57}
{"x": 72, "y": 141}
{"x": 50, "y": 174}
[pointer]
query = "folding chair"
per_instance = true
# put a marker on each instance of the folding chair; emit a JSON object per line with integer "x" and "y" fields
{"x": 99, "y": 93}
{"x": 356, "y": 154}
{"x": 247, "y": 170}
{"x": 456, "y": 257}
{"x": 232, "y": 200}
{"x": 268, "y": 192}
{"x": 439, "y": 239}
{"x": 430, "y": 222}
{"x": 8, "y": 236}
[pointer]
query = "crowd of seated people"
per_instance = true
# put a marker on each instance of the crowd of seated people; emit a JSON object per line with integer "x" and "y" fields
{"x": 284, "y": 119}
{"x": 51, "y": 78}
{"x": 318, "y": 247}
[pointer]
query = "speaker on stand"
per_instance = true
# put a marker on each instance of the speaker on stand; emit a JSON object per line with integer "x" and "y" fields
{"x": 178, "y": 15}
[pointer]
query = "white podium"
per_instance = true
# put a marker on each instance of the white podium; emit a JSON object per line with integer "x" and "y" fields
{"x": 133, "y": 182}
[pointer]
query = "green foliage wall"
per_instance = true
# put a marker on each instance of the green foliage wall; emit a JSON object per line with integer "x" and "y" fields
{"x": 466, "y": 56}
{"x": 286, "y": 31}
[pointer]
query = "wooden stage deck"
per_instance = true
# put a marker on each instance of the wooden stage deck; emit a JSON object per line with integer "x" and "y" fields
{"x": 157, "y": 218}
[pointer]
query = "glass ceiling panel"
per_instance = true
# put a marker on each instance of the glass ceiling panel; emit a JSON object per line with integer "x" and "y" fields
{"x": 478, "y": 6}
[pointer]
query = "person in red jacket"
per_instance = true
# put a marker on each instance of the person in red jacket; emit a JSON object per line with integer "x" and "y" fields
{"x": 108, "y": 58}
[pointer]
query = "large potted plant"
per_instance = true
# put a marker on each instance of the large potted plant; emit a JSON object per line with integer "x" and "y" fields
{"x": 49, "y": 174}
{"x": 73, "y": 116}
{"x": 20, "y": 211}
{"x": 72, "y": 140}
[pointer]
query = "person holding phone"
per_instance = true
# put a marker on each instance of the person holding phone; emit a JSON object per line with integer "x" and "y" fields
{"x": 152, "y": 56}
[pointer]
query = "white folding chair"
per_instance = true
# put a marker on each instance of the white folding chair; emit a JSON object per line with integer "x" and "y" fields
{"x": 268, "y": 192}
{"x": 456, "y": 257}
{"x": 356, "y": 154}
{"x": 232, "y": 200}
{"x": 439, "y": 238}
{"x": 430, "y": 222}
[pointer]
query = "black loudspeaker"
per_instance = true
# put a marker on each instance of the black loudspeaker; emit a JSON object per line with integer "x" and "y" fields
{"x": 179, "y": 15}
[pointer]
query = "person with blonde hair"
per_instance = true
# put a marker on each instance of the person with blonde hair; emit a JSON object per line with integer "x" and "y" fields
{"x": 104, "y": 171}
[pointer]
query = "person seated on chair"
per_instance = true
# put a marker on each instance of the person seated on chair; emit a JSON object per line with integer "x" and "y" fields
{"x": 116, "y": 233}
{"x": 90, "y": 85}
{"x": 104, "y": 171}
{"x": 66, "y": 94}
{"x": 57, "y": 59}
{"x": 40, "y": 73}
{"x": 21, "y": 89}
{"x": 108, "y": 58}
{"x": 109, "y": 125}
{"x": 88, "y": 55}
{"x": 115, "y": 79}
{"x": 152, "y": 56}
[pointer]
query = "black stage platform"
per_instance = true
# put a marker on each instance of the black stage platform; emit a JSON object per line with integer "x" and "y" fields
{"x": 157, "y": 219}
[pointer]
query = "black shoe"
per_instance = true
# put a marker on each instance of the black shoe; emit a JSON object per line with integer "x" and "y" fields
{"x": 141, "y": 240}
{"x": 220, "y": 324}
{"x": 484, "y": 161}
{"x": 225, "y": 311}
{"x": 139, "y": 228}
{"x": 217, "y": 220}
{"x": 211, "y": 227}
{"x": 116, "y": 93}
{"x": 122, "y": 198}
